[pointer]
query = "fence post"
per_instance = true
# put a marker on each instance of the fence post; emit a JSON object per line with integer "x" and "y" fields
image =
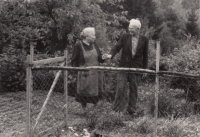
{"x": 28, "y": 96}
{"x": 156, "y": 86}
{"x": 29, "y": 89}
{"x": 66, "y": 89}
{"x": 31, "y": 75}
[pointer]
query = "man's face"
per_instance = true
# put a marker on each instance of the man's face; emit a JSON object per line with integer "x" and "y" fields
{"x": 133, "y": 30}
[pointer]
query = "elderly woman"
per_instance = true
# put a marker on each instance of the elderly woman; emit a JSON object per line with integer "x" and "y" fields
{"x": 86, "y": 53}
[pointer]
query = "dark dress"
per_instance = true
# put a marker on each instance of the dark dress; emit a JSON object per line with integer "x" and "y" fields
{"x": 87, "y": 81}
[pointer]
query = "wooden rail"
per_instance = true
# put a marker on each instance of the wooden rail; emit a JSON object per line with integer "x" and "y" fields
{"x": 50, "y": 60}
{"x": 93, "y": 68}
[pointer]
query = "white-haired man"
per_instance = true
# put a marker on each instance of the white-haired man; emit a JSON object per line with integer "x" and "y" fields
{"x": 134, "y": 55}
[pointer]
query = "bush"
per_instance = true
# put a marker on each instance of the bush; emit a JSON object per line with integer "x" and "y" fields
{"x": 189, "y": 85}
{"x": 165, "y": 106}
{"x": 111, "y": 122}
{"x": 186, "y": 59}
{"x": 145, "y": 126}
{"x": 174, "y": 130}
{"x": 13, "y": 71}
{"x": 170, "y": 106}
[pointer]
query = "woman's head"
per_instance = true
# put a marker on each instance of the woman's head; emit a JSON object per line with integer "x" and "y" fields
{"x": 88, "y": 34}
{"x": 134, "y": 27}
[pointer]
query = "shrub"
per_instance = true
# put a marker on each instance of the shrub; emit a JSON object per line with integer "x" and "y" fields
{"x": 170, "y": 106}
{"x": 165, "y": 106}
{"x": 189, "y": 85}
{"x": 13, "y": 73}
{"x": 12, "y": 70}
{"x": 92, "y": 119}
{"x": 144, "y": 126}
{"x": 111, "y": 122}
{"x": 186, "y": 59}
{"x": 173, "y": 130}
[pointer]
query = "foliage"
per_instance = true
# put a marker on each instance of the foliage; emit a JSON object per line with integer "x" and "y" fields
{"x": 186, "y": 58}
{"x": 192, "y": 4}
{"x": 140, "y": 9}
{"x": 192, "y": 25}
{"x": 170, "y": 106}
{"x": 13, "y": 72}
{"x": 165, "y": 106}
{"x": 21, "y": 27}
{"x": 144, "y": 126}
{"x": 168, "y": 42}
{"x": 174, "y": 130}
{"x": 54, "y": 24}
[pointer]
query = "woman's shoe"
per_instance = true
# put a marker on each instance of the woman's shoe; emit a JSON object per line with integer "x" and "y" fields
{"x": 84, "y": 105}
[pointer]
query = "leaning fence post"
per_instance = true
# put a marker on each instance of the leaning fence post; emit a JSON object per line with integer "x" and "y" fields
{"x": 31, "y": 75}
{"x": 66, "y": 89}
{"x": 28, "y": 96}
{"x": 156, "y": 86}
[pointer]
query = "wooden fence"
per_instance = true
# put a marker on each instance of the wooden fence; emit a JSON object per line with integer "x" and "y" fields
{"x": 34, "y": 65}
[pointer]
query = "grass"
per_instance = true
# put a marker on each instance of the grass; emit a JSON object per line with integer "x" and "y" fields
{"x": 100, "y": 119}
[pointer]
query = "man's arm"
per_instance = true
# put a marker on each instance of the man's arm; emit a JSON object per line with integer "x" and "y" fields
{"x": 145, "y": 54}
{"x": 117, "y": 47}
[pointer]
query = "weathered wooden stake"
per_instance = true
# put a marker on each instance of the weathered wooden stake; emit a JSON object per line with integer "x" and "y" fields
{"x": 48, "y": 97}
{"x": 28, "y": 96}
{"x": 156, "y": 87}
{"x": 66, "y": 89}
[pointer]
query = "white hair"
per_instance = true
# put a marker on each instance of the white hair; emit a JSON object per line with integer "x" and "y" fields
{"x": 135, "y": 22}
{"x": 87, "y": 31}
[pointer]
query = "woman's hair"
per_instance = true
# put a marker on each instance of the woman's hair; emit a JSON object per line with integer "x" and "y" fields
{"x": 87, "y": 32}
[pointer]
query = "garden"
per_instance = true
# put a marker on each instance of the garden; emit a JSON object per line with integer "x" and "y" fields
{"x": 53, "y": 26}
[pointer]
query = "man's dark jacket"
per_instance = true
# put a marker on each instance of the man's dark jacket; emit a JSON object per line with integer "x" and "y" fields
{"x": 140, "y": 60}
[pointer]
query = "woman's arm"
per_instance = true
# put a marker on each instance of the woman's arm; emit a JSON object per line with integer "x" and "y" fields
{"x": 75, "y": 55}
{"x": 100, "y": 59}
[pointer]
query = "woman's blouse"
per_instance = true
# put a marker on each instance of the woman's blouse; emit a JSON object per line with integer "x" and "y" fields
{"x": 77, "y": 56}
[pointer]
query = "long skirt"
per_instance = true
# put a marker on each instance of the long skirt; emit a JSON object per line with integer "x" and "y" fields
{"x": 88, "y": 86}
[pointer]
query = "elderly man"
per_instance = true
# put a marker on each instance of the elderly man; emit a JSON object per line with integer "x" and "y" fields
{"x": 134, "y": 55}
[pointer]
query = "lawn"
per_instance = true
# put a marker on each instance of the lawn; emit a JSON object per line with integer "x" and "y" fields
{"x": 96, "y": 120}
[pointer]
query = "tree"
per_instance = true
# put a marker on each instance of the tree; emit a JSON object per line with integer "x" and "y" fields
{"x": 56, "y": 24}
{"x": 192, "y": 25}
{"x": 190, "y": 4}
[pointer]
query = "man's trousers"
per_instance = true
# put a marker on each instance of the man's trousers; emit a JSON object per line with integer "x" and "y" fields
{"x": 122, "y": 95}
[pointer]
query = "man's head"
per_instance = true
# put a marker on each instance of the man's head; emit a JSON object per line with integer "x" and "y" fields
{"x": 134, "y": 27}
{"x": 89, "y": 34}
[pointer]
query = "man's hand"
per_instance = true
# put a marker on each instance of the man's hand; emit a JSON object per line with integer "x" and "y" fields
{"x": 106, "y": 56}
{"x": 109, "y": 56}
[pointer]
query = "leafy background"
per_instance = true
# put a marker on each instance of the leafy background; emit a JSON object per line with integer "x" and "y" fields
{"x": 54, "y": 25}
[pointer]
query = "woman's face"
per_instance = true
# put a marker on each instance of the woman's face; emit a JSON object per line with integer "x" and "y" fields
{"x": 91, "y": 37}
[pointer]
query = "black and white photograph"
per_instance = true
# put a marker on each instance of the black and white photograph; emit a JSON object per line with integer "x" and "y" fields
{"x": 99, "y": 68}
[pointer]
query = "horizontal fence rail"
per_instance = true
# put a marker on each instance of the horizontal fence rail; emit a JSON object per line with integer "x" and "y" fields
{"x": 94, "y": 68}
{"x": 163, "y": 100}
{"x": 49, "y": 60}
{"x": 175, "y": 112}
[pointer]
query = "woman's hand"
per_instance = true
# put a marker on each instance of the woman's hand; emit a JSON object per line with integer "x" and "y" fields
{"x": 106, "y": 56}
